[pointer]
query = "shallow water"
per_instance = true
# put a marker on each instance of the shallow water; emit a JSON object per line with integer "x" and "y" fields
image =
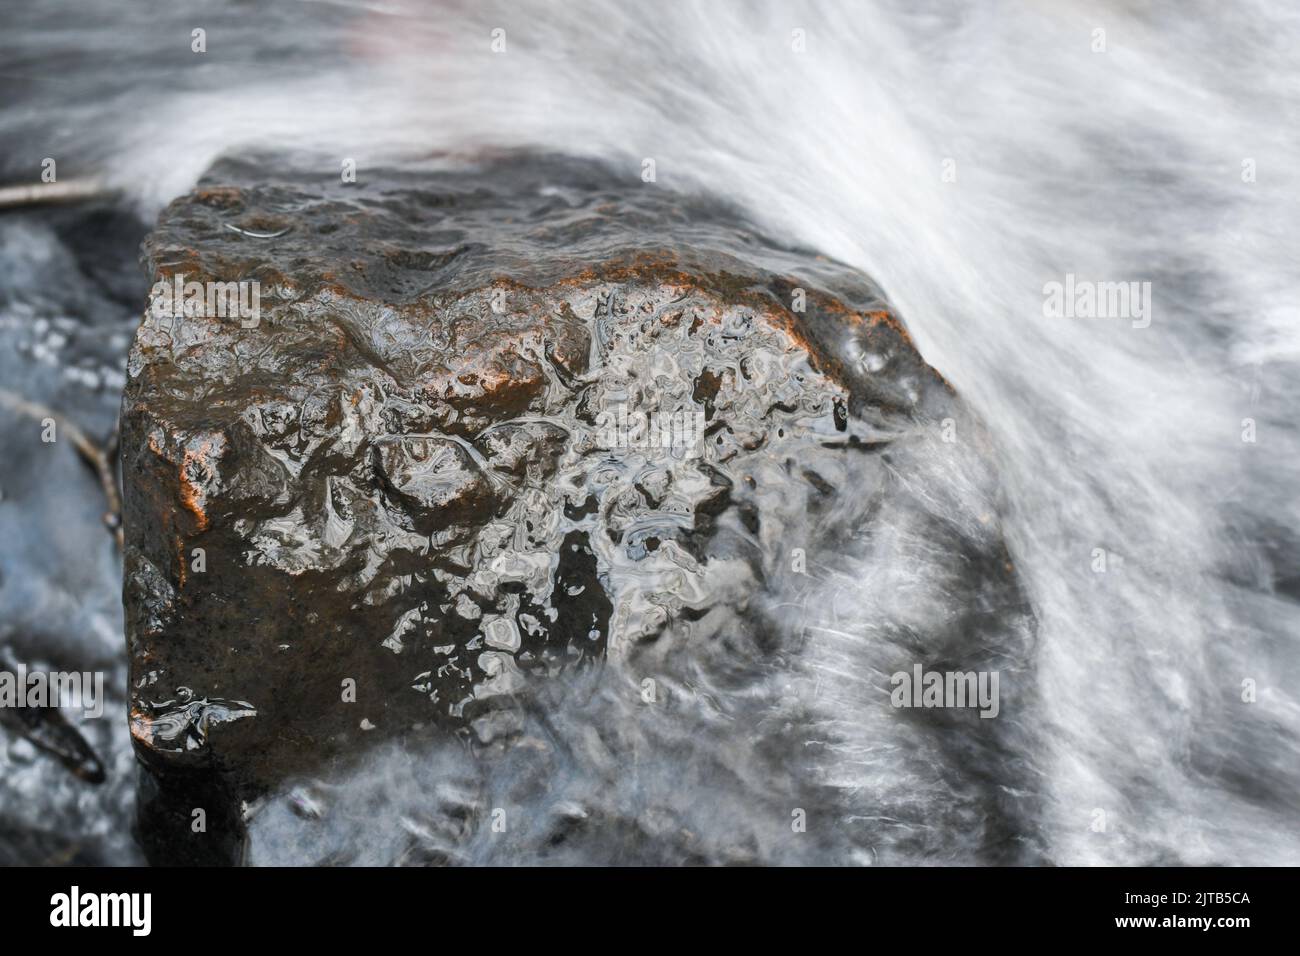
{"x": 1119, "y": 165}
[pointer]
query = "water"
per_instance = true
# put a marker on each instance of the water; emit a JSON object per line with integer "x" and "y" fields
{"x": 1119, "y": 165}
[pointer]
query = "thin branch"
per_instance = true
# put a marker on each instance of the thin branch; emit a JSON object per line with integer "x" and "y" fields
{"x": 72, "y": 190}
{"x": 100, "y": 459}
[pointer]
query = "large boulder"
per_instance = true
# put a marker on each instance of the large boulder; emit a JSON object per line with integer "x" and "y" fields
{"x": 485, "y": 426}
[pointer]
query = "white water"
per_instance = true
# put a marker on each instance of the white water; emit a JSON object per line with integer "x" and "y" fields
{"x": 1115, "y": 166}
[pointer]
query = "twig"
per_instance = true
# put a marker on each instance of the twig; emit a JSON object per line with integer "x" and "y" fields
{"x": 72, "y": 190}
{"x": 101, "y": 460}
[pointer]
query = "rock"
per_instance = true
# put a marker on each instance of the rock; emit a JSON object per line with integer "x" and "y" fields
{"x": 70, "y": 292}
{"x": 488, "y": 426}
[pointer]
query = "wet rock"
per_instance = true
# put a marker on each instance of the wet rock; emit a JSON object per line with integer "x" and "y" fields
{"x": 48, "y": 731}
{"x": 70, "y": 293}
{"x": 488, "y": 426}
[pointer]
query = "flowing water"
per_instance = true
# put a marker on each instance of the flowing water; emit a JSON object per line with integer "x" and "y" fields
{"x": 964, "y": 157}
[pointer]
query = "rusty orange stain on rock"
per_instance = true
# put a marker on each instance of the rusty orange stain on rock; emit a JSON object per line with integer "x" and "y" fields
{"x": 193, "y": 496}
{"x": 890, "y": 320}
{"x": 180, "y": 559}
{"x": 141, "y": 727}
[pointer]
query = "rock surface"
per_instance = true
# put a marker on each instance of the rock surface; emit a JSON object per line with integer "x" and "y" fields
{"x": 419, "y": 481}
{"x": 70, "y": 293}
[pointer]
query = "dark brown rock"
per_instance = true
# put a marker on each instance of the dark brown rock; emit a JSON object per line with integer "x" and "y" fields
{"x": 422, "y": 471}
